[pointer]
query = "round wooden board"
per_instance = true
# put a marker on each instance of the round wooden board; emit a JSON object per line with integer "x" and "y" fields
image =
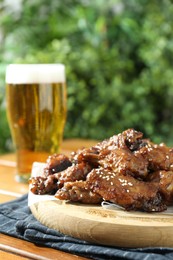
{"x": 107, "y": 227}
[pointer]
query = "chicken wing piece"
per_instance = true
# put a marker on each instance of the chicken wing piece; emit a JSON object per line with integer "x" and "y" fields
{"x": 160, "y": 157}
{"x": 125, "y": 190}
{"x": 75, "y": 172}
{"x": 130, "y": 139}
{"x": 51, "y": 183}
{"x": 164, "y": 179}
{"x": 56, "y": 163}
{"x": 43, "y": 185}
{"x": 121, "y": 160}
{"x": 78, "y": 192}
{"x": 125, "y": 162}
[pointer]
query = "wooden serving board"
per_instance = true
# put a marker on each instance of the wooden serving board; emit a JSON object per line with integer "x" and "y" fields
{"x": 107, "y": 227}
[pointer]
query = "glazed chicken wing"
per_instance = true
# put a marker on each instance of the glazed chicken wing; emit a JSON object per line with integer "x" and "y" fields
{"x": 125, "y": 190}
{"x": 129, "y": 139}
{"x": 53, "y": 182}
{"x": 125, "y": 169}
{"x": 56, "y": 163}
{"x": 78, "y": 192}
{"x": 160, "y": 157}
{"x": 164, "y": 180}
{"x": 120, "y": 160}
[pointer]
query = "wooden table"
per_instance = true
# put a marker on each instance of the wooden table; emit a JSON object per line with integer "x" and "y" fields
{"x": 17, "y": 249}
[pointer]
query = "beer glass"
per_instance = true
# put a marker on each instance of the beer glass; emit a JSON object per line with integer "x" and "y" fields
{"x": 36, "y": 112}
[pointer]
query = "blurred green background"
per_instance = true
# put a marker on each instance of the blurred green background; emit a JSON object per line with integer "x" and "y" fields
{"x": 118, "y": 56}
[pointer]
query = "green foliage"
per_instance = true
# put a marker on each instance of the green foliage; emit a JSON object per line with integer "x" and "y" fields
{"x": 118, "y": 57}
{"x": 5, "y": 142}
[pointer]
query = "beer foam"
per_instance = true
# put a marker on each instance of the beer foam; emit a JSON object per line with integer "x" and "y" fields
{"x": 35, "y": 73}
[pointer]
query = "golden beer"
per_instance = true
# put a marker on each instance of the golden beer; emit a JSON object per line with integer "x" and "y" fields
{"x": 36, "y": 111}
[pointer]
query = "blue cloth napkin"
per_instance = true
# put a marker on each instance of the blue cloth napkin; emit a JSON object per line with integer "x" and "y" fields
{"x": 17, "y": 220}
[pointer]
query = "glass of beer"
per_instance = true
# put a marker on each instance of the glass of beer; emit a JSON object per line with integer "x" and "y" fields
{"x": 36, "y": 112}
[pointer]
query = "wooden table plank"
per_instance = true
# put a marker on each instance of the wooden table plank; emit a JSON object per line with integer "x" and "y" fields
{"x": 9, "y": 256}
{"x": 26, "y": 249}
{"x": 5, "y": 198}
{"x": 8, "y": 183}
{"x": 8, "y": 159}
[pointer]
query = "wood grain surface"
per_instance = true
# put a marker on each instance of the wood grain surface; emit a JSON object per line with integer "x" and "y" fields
{"x": 14, "y": 248}
{"x": 106, "y": 227}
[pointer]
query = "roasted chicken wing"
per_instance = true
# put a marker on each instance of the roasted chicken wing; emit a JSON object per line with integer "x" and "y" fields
{"x": 78, "y": 192}
{"x": 125, "y": 190}
{"x": 126, "y": 169}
